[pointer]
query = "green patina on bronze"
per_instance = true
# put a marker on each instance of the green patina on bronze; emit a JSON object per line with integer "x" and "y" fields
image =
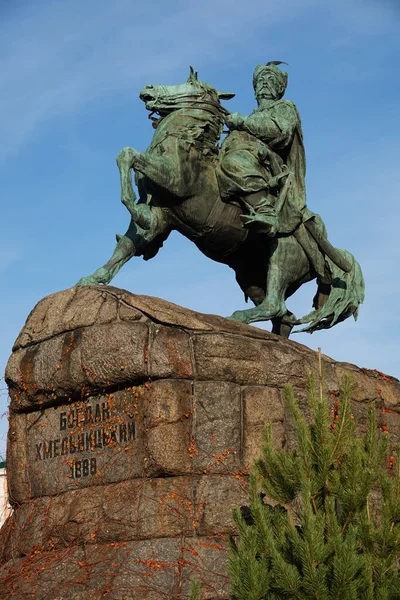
{"x": 243, "y": 203}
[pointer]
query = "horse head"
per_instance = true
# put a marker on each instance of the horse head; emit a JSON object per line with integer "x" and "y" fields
{"x": 164, "y": 99}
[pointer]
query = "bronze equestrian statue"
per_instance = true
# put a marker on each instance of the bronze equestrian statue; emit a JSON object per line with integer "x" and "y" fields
{"x": 242, "y": 203}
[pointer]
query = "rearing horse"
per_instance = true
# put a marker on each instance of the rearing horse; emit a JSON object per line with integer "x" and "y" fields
{"x": 178, "y": 188}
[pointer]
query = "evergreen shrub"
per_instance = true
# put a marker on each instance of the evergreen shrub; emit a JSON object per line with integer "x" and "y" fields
{"x": 326, "y": 524}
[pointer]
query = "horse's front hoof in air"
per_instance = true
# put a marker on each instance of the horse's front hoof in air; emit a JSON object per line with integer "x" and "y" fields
{"x": 127, "y": 157}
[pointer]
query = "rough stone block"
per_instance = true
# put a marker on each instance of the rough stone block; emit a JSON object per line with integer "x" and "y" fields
{"x": 372, "y": 385}
{"x": 168, "y": 449}
{"x": 128, "y": 313}
{"x": 262, "y": 404}
{"x": 70, "y": 364}
{"x": 216, "y": 497}
{"x": 167, "y": 417}
{"x": 132, "y": 424}
{"x": 224, "y": 357}
{"x": 98, "y": 440}
{"x": 71, "y": 309}
{"x": 364, "y": 388}
{"x": 169, "y": 353}
{"x": 144, "y": 570}
{"x": 123, "y": 353}
{"x": 206, "y": 559}
{"x": 17, "y": 460}
{"x": 141, "y": 570}
{"x": 167, "y": 507}
{"x": 167, "y": 313}
{"x": 167, "y": 401}
{"x": 254, "y": 441}
{"x": 126, "y": 511}
{"x": 216, "y": 445}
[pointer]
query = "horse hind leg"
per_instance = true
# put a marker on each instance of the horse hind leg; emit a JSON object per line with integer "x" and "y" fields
{"x": 283, "y": 325}
{"x": 273, "y": 304}
{"x": 286, "y": 266}
{"x": 251, "y": 278}
{"x": 322, "y": 294}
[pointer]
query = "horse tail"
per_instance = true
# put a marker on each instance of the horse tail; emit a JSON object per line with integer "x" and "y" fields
{"x": 346, "y": 293}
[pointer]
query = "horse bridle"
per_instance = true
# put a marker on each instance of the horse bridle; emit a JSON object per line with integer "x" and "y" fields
{"x": 215, "y": 108}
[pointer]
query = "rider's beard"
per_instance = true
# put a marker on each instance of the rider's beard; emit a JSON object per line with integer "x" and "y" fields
{"x": 266, "y": 97}
{"x": 268, "y": 91}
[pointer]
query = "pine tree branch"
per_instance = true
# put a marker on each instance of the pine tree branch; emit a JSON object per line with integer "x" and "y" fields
{"x": 324, "y": 542}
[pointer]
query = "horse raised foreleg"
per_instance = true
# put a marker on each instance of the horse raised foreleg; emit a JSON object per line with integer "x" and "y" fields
{"x": 133, "y": 243}
{"x": 124, "y": 250}
{"x": 128, "y": 245}
{"x": 161, "y": 171}
{"x": 140, "y": 213}
{"x": 146, "y": 224}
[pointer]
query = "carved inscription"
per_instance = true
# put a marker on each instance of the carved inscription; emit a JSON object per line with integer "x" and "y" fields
{"x": 92, "y": 439}
{"x": 95, "y": 437}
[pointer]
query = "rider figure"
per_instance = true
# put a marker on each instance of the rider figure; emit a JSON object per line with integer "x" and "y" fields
{"x": 263, "y": 160}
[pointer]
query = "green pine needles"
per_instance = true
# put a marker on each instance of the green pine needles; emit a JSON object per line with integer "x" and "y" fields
{"x": 328, "y": 526}
{"x": 194, "y": 590}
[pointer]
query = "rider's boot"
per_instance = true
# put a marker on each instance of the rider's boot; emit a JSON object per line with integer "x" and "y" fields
{"x": 261, "y": 213}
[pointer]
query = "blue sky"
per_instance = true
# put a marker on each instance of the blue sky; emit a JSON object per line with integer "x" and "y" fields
{"x": 70, "y": 74}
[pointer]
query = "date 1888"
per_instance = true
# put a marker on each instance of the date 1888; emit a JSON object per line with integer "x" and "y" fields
{"x": 83, "y": 468}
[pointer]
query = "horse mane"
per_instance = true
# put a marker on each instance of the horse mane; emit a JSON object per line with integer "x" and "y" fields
{"x": 206, "y": 132}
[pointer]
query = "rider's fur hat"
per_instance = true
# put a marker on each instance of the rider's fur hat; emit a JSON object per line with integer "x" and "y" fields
{"x": 271, "y": 68}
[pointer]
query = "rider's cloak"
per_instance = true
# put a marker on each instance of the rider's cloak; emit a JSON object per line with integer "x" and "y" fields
{"x": 243, "y": 168}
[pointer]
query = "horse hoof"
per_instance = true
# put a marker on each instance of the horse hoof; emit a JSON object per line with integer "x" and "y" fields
{"x": 126, "y": 157}
{"x": 239, "y": 316}
{"x": 87, "y": 281}
{"x": 262, "y": 312}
